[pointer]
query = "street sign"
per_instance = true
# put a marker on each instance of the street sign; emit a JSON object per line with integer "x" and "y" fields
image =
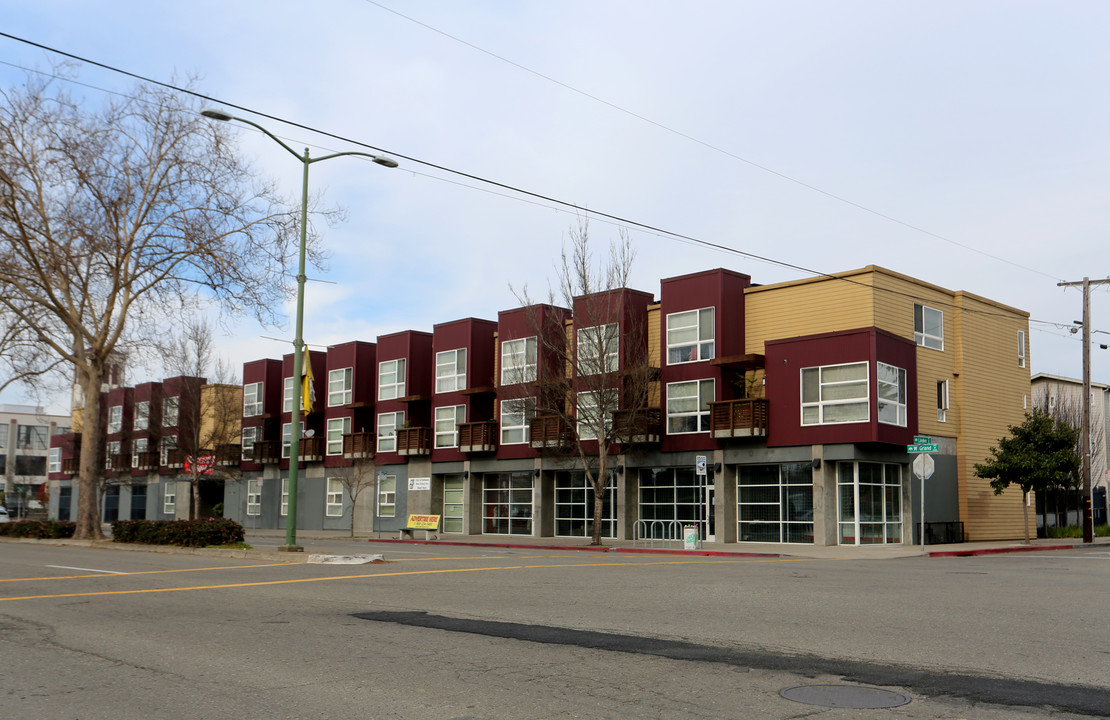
{"x": 923, "y": 466}
{"x": 700, "y": 464}
{"x": 927, "y": 448}
{"x": 922, "y": 440}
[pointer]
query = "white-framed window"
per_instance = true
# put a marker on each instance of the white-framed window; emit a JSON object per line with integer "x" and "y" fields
{"x": 115, "y": 419}
{"x": 451, "y": 370}
{"x": 167, "y": 443}
{"x": 284, "y": 497}
{"x": 141, "y": 420}
{"x": 518, "y": 360}
{"x": 287, "y": 437}
{"x": 928, "y": 327}
{"x": 250, "y": 437}
{"x": 333, "y": 502}
{"x": 1021, "y": 348}
{"x": 170, "y": 408}
{"x": 688, "y": 406}
{"x": 29, "y": 437}
{"x": 835, "y": 394}
{"x": 110, "y": 454}
{"x": 589, "y": 410}
{"x": 690, "y": 336}
{"x": 252, "y": 399}
{"x": 869, "y": 503}
{"x": 169, "y": 498}
{"x": 55, "y": 460}
{"x": 597, "y": 350}
{"x": 391, "y": 379}
{"x": 387, "y": 495}
{"x": 138, "y": 447}
{"x": 337, "y": 428}
{"x": 340, "y": 387}
{"x": 942, "y": 400}
{"x": 454, "y": 499}
{"x": 516, "y": 419}
{"x": 254, "y": 497}
{"x": 447, "y": 425}
{"x": 287, "y": 395}
{"x": 892, "y": 394}
{"x": 387, "y": 430}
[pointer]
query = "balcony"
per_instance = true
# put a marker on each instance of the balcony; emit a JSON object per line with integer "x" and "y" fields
{"x": 550, "y": 431}
{"x": 146, "y": 460}
{"x": 175, "y": 459}
{"x": 312, "y": 448}
{"x": 71, "y": 466}
{"x": 358, "y": 446}
{"x": 738, "y": 418}
{"x": 476, "y": 437}
{"x": 638, "y": 426}
{"x": 414, "y": 441}
{"x": 228, "y": 455}
{"x": 121, "y": 462}
{"x": 267, "y": 452}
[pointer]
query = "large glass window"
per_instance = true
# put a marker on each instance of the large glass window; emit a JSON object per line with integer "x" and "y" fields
{"x": 673, "y": 497}
{"x": 167, "y": 443}
{"x": 337, "y": 428}
{"x": 870, "y": 502}
{"x": 774, "y": 503}
{"x": 29, "y": 437}
{"x": 516, "y": 416}
{"x": 688, "y": 406}
{"x": 252, "y": 399}
{"x": 507, "y": 503}
{"x": 518, "y": 361}
{"x": 594, "y": 413}
{"x": 690, "y": 336}
{"x": 928, "y": 327}
{"x": 574, "y": 506}
{"x": 250, "y": 437}
{"x": 169, "y": 497}
{"x": 598, "y": 349}
{"x": 387, "y": 430}
{"x": 170, "y": 408}
{"x": 115, "y": 419}
{"x": 287, "y": 395}
{"x": 391, "y": 379}
{"x": 340, "y": 387}
{"x": 110, "y": 455}
{"x": 142, "y": 415}
{"x": 387, "y": 495}
{"x": 453, "y": 503}
{"x": 254, "y": 497}
{"x": 333, "y": 501}
{"x": 287, "y": 438}
{"x": 138, "y": 448}
{"x": 451, "y": 370}
{"x": 447, "y": 425}
{"x": 284, "y": 497}
{"x": 942, "y": 400}
{"x": 892, "y": 394}
{"x": 835, "y": 394}
{"x": 55, "y": 460}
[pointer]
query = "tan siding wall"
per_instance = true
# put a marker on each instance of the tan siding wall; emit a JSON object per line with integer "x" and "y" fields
{"x": 654, "y": 342}
{"x": 808, "y": 308}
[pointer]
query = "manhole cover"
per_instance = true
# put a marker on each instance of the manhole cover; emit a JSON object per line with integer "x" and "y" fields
{"x": 844, "y": 696}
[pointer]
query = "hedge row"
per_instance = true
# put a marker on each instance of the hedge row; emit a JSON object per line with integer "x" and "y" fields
{"x": 38, "y": 529}
{"x": 186, "y": 533}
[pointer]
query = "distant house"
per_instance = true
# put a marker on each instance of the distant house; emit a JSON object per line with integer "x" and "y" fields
{"x": 25, "y": 457}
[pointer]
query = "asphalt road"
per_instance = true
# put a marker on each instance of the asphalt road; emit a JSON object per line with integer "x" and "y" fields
{"x": 456, "y": 632}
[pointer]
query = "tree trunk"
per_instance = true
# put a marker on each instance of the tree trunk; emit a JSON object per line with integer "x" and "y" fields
{"x": 1025, "y": 515}
{"x": 92, "y": 441}
{"x": 194, "y": 511}
{"x": 599, "y": 484}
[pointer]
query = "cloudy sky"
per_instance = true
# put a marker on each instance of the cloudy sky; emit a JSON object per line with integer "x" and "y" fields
{"x": 964, "y": 143}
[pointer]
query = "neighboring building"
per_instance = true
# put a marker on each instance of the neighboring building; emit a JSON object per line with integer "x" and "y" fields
{"x": 1063, "y": 398}
{"x": 25, "y": 457}
{"x": 780, "y": 413}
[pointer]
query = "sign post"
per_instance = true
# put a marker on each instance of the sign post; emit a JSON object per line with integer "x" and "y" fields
{"x": 923, "y": 467}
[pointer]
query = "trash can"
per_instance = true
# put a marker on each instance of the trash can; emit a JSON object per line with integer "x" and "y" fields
{"x": 691, "y": 538}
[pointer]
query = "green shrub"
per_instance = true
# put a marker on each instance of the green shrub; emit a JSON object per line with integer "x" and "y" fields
{"x": 39, "y": 529}
{"x": 184, "y": 533}
{"x": 1076, "y": 531}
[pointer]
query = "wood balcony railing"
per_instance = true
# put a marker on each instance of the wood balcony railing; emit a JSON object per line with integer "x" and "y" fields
{"x": 147, "y": 460}
{"x": 312, "y": 448}
{"x": 414, "y": 441}
{"x": 738, "y": 418}
{"x": 477, "y": 437}
{"x": 121, "y": 462}
{"x": 71, "y": 466}
{"x": 638, "y": 426}
{"x": 357, "y": 446}
{"x": 550, "y": 431}
{"x": 267, "y": 452}
{"x": 175, "y": 459}
{"x": 228, "y": 455}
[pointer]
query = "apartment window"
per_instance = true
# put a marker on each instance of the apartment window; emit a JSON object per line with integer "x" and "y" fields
{"x": 516, "y": 418}
{"x": 518, "y": 361}
{"x": 391, "y": 379}
{"x": 29, "y": 437}
{"x": 170, "y": 407}
{"x": 287, "y": 395}
{"x": 892, "y": 394}
{"x": 597, "y": 349}
{"x": 284, "y": 497}
{"x": 447, "y": 425}
{"x": 688, "y": 406}
{"x": 115, "y": 419}
{"x": 869, "y": 497}
{"x": 387, "y": 495}
{"x": 112, "y": 452}
{"x": 690, "y": 336}
{"x": 594, "y": 413}
{"x": 168, "y": 443}
{"x": 287, "y": 437}
{"x": 254, "y": 497}
{"x": 928, "y": 327}
{"x": 55, "y": 460}
{"x": 451, "y": 370}
{"x": 835, "y": 394}
{"x": 252, "y": 399}
{"x": 340, "y": 384}
{"x": 1021, "y": 348}
{"x": 942, "y": 400}
{"x": 337, "y": 428}
{"x": 387, "y": 430}
{"x": 169, "y": 498}
{"x": 333, "y": 502}
{"x": 250, "y": 437}
{"x": 138, "y": 447}
{"x": 142, "y": 415}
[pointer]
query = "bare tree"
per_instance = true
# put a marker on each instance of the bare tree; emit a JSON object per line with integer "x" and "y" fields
{"x": 602, "y": 395}
{"x": 360, "y": 475}
{"x": 113, "y": 219}
{"x": 1066, "y": 406}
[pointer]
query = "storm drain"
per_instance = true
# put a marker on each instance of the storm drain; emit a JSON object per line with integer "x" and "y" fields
{"x": 845, "y": 696}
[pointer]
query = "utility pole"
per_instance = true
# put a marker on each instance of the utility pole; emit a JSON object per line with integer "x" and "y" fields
{"x": 1085, "y": 435}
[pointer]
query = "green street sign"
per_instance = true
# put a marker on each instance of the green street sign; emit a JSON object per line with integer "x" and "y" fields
{"x": 923, "y": 448}
{"x": 922, "y": 440}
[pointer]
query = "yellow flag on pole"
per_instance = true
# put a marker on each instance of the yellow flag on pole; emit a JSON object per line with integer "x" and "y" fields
{"x": 308, "y": 386}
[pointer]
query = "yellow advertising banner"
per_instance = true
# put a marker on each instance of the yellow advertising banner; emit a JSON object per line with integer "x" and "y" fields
{"x": 423, "y": 522}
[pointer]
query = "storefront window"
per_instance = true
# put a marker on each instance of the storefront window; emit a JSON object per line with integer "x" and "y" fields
{"x": 870, "y": 503}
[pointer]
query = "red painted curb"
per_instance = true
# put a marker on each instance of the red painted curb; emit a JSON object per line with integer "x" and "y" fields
{"x": 999, "y": 551}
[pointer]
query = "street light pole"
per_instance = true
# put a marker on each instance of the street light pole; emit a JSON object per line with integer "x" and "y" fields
{"x": 298, "y": 341}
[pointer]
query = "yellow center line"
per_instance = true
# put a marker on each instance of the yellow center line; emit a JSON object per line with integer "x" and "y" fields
{"x": 144, "y": 572}
{"x": 398, "y": 574}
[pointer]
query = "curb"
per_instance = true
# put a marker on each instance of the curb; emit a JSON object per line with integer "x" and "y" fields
{"x": 579, "y": 548}
{"x": 1000, "y": 550}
